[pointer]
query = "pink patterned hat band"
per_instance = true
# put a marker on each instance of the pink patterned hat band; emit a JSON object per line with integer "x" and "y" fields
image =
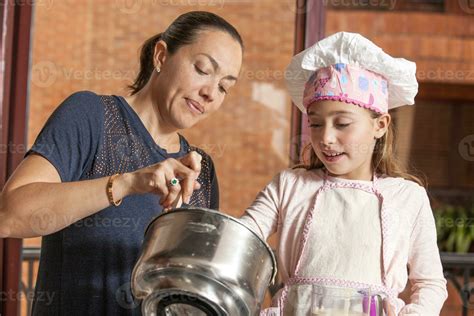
{"x": 350, "y": 84}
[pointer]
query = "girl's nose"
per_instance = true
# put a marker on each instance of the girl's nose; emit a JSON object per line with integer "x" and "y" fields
{"x": 327, "y": 136}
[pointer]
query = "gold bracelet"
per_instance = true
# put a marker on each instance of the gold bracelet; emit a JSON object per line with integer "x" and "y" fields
{"x": 110, "y": 195}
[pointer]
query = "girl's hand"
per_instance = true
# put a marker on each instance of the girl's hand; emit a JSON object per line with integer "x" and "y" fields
{"x": 388, "y": 308}
{"x": 156, "y": 179}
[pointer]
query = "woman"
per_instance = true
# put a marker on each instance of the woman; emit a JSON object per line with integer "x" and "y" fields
{"x": 104, "y": 166}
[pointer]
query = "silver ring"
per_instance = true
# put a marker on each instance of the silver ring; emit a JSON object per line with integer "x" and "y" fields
{"x": 174, "y": 182}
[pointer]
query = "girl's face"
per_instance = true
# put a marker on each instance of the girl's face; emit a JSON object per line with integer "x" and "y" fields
{"x": 194, "y": 81}
{"x": 343, "y": 137}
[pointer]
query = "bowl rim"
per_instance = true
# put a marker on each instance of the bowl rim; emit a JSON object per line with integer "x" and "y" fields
{"x": 188, "y": 209}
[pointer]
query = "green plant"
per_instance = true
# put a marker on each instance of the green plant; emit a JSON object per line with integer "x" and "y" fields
{"x": 455, "y": 228}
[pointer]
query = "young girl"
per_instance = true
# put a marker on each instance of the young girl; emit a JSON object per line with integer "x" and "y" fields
{"x": 352, "y": 218}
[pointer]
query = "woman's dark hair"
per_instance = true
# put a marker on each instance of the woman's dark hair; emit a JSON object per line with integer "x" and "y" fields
{"x": 182, "y": 31}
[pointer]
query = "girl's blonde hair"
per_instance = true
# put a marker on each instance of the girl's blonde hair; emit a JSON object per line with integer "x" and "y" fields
{"x": 384, "y": 161}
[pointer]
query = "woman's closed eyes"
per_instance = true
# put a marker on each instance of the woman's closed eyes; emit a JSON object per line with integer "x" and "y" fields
{"x": 202, "y": 72}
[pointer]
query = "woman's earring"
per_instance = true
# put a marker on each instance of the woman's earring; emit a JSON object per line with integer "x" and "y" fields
{"x": 158, "y": 69}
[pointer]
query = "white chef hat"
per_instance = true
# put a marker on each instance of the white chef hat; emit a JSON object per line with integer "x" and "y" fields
{"x": 311, "y": 69}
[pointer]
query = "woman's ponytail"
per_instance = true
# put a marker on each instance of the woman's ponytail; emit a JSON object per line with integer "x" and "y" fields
{"x": 146, "y": 63}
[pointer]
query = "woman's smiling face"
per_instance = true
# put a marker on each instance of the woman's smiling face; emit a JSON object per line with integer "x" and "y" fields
{"x": 194, "y": 81}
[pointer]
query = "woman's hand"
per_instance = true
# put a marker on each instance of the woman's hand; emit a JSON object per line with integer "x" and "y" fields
{"x": 156, "y": 179}
{"x": 59, "y": 204}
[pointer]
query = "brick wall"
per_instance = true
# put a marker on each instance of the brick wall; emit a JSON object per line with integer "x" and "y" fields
{"x": 441, "y": 44}
{"x": 94, "y": 45}
{"x": 432, "y": 136}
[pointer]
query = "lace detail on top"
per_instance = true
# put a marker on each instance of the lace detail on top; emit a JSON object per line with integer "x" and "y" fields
{"x": 123, "y": 150}
{"x": 203, "y": 195}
